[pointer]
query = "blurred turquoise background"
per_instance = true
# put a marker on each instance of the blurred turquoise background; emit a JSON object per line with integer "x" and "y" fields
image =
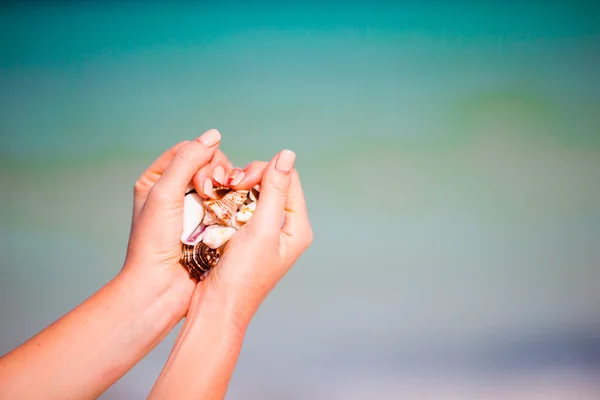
{"x": 450, "y": 153}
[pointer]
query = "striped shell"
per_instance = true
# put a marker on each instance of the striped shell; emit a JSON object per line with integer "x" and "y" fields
{"x": 199, "y": 259}
{"x": 224, "y": 209}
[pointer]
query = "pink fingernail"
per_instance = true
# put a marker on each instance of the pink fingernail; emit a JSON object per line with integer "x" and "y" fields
{"x": 235, "y": 172}
{"x": 210, "y": 138}
{"x": 219, "y": 174}
{"x": 208, "y": 187}
{"x": 285, "y": 161}
{"x": 237, "y": 177}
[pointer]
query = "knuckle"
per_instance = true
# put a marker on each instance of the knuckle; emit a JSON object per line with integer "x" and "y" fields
{"x": 159, "y": 194}
{"x": 256, "y": 165}
{"x": 180, "y": 146}
{"x": 163, "y": 200}
{"x": 279, "y": 189}
{"x": 187, "y": 153}
{"x": 142, "y": 184}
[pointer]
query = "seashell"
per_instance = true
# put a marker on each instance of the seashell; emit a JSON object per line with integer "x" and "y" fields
{"x": 210, "y": 224}
{"x": 196, "y": 236}
{"x": 216, "y": 236}
{"x": 193, "y": 214}
{"x": 209, "y": 219}
{"x": 254, "y": 193}
{"x": 220, "y": 191}
{"x": 189, "y": 189}
{"x": 199, "y": 259}
{"x": 246, "y": 212}
{"x": 224, "y": 209}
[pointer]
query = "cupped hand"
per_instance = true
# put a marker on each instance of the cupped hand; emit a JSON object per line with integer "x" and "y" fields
{"x": 154, "y": 243}
{"x": 264, "y": 249}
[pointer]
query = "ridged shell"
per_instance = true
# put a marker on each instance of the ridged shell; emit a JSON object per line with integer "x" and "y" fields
{"x": 199, "y": 259}
{"x": 221, "y": 191}
{"x": 224, "y": 209}
{"x": 209, "y": 219}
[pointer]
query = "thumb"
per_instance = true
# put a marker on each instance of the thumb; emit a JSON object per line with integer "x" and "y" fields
{"x": 188, "y": 160}
{"x": 274, "y": 189}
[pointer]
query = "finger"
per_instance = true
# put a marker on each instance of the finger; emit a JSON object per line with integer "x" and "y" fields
{"x": 296, "y": 223}
{"x": 249, "y": 176}
{"x": 228, "y": 172}
{"x": 215, "y": 173}
{"x": 219, "y": 164}
{"x": 275, "y": 184}
{"x": 187, "y": 161}
{"x": 150, "y": 176}
{"x": 203, "y": 181}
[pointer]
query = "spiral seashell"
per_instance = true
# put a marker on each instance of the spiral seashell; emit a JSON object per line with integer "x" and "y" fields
{"x": 199, "y": 259}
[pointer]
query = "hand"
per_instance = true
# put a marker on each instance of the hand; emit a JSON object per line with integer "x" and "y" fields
{"x": 254, "y": 260}
{"x": 263, "y": 250}
{"x": 95, "y": 344}
{"x": 154, "y": 244}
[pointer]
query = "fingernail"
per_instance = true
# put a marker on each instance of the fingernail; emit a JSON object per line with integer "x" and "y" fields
{"x": 235, "y": 172}
{"x": 285, "y": 161}
{"x": 219, "y": 174}
{"x": 237, "y": 177}
{"x": 210, "y": 138}
{"x": 208, "y": 187}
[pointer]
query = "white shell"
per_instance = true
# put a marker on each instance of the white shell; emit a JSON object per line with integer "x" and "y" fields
{"x": 193, "y": 214}
{"x": 216, "y": 236}
{"x": 245, "y": 212}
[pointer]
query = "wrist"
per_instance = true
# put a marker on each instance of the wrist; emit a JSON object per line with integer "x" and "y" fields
{"x": 226, "y": 305}
{"x": 210, "y": 341}
{"x": 167, "y": 289}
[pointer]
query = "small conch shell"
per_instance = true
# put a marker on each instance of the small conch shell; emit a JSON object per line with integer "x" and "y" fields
{"x": 245, "y": 212}
{"x": 199, "y": 259}
{"x": 224, "y": 209}
{"x": 193, "y": 214}
{"x": 216, "y": 236}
